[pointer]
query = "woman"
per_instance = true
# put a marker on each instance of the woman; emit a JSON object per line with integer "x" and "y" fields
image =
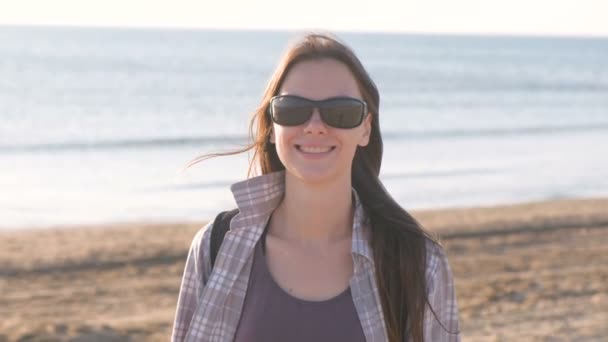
{"x": 319, "y": 250}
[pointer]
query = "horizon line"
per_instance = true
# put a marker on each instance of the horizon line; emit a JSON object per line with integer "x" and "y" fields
{"x": 301, "y": 30}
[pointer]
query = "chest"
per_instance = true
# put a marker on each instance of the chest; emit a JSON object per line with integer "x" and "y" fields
{"x": 221, "y": 302}
{"x": 271, "y": 314}
{"x": 309, "y": 273}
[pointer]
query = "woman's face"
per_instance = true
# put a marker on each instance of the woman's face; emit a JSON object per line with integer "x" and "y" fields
{"x": 313, "y": 151}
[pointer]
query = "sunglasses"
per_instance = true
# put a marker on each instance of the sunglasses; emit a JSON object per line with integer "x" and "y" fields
{"x": 338, "y": 112}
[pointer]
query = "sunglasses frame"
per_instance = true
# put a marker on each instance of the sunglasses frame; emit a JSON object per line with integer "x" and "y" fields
{"x": 318, "y": 104}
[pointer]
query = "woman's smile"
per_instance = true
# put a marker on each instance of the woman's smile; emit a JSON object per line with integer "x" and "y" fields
{"x": 315, "y": 152}
{"x": 314, "y": 149}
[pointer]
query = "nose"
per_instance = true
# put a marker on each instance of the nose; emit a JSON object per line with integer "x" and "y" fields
{"x": 315, "y": 124}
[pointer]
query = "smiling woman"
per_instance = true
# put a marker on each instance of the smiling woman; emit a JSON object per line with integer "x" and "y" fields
{"x": 319, "y": 147}
{"x": 318, "y": 250}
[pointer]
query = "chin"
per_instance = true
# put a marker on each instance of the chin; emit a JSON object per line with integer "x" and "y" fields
{"x": 315, "y": 176}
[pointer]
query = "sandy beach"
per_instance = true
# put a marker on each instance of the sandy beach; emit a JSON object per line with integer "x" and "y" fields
{"x": 529, "y": 272}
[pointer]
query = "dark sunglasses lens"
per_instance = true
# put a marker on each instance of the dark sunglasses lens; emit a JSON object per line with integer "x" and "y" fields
{"x": 289, "y": 111}
{"x": 343, "y": 113}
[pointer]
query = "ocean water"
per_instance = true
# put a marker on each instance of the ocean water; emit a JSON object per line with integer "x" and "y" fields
{"x": 97, "y": 124}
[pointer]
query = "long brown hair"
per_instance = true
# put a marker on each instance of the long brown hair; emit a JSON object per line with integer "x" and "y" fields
{"x": 398, "y": 240}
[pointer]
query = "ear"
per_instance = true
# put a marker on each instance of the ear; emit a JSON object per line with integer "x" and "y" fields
{"x": 367, "y": 130}
{"x": 271, "y": 138}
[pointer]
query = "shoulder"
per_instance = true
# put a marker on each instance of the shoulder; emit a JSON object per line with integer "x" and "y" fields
{"x": 441, "y": 321}
{"x": 202, "y": 244}
{"x": 202, "y": 236}
{"x": 434, "y": 252}
{"x": 437, "y": 265}
{"x": 199, "y": 251}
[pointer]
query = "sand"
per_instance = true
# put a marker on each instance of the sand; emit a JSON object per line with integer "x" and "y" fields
{"x": 530, "y": 272}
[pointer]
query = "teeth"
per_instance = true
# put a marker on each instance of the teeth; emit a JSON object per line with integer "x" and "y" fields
{"x": 314, "y": 149}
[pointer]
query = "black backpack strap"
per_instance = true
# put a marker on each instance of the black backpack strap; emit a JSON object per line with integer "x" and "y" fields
{"x": 221, "y": 225}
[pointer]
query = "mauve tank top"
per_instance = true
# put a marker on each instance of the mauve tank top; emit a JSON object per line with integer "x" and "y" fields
{"x": 271, "y": 314}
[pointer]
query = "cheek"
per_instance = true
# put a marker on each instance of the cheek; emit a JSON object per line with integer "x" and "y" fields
{"x": 352, "y": 138}
{"x": 283, "y": 136}
{"x": 348, "y": 144}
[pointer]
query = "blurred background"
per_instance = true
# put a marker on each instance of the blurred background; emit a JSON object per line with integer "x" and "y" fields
{"x": 483, "y": 104}
{"x": 96, "y": 123}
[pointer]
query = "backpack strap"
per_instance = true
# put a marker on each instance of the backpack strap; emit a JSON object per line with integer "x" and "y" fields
{"x": 221, "y": 225}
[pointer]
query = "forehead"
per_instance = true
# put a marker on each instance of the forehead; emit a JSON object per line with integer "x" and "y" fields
{"x": 320, "y": 79}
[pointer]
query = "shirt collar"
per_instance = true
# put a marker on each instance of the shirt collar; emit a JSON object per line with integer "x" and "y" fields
{"x": 259, "y": 196}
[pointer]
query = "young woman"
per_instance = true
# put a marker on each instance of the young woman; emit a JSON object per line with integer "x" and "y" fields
{"x": 319, "y": 251}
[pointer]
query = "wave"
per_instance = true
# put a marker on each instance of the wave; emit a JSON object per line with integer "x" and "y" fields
{"x": 127, "y": 144}
{"x": 436, "y": 173}
{"x": 493, "y": 132}
{"x": 228, "y": 140}
{"x": 225, "y": 183}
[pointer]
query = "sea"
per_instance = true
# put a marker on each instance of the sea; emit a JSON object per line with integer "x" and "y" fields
{"x": 97, "y": 124}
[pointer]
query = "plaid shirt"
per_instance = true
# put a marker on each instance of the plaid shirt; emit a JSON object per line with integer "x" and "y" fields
{"x": 209, "y": 304}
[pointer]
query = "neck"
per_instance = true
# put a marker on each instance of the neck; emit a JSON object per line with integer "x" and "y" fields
{"x": 314, "y": 214}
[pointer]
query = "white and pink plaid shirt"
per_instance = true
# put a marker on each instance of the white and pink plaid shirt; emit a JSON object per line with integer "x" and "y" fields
{"x": 210, "y": 301}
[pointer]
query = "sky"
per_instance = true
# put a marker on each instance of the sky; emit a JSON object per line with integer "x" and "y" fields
{"x": 520, "y": 17}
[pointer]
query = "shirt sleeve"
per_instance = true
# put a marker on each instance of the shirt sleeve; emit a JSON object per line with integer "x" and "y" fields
{"x": 196, "y": 273}
{"x": 444, "y": 327}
